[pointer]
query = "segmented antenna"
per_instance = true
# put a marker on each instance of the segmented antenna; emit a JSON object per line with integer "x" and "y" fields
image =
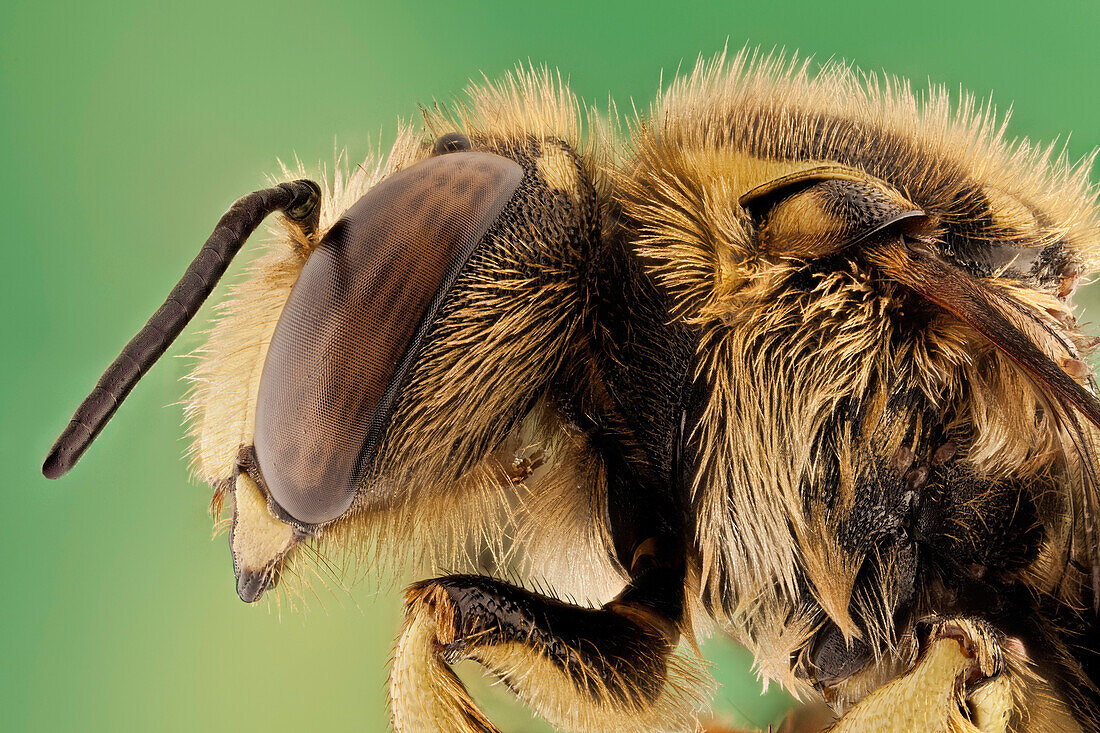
{"x": 298, "y": 200}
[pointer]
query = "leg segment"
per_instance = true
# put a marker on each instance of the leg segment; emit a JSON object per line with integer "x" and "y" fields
{"x": 582, "y": 669}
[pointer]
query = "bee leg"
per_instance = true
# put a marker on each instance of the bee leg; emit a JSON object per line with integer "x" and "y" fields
{"x": 582, "y": 669}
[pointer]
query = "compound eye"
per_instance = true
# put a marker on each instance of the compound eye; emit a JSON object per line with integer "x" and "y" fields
{"x": 353, "y": 325}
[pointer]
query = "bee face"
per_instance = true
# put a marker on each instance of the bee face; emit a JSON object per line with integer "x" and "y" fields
{"x": 800, "y": 359}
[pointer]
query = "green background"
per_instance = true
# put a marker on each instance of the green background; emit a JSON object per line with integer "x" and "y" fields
{"x": 125, "y": 131}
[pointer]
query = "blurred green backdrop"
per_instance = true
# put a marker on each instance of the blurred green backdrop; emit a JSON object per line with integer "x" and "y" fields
{"x": 125, "y": 131}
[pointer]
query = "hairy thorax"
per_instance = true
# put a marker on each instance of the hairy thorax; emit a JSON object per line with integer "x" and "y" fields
{"x": 882, "y": 463}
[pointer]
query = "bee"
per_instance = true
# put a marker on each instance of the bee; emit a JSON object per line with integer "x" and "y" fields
{"x": 791, "y": 357}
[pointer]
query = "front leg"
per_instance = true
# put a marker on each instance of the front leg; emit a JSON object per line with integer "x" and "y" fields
{"x": 582, "y": 669}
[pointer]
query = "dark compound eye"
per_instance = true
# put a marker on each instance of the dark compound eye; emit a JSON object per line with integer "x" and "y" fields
{"x": 353, "y": 323}
{"x": 452, "y": 142}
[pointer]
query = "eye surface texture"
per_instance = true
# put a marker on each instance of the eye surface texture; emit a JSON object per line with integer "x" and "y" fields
{"x": 352, "y": 325}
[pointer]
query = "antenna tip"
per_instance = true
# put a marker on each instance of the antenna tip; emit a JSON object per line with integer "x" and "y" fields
{"x": 54, "y": 467}
{"x": 69, "y": 447}
{"x": 58, "y": 462}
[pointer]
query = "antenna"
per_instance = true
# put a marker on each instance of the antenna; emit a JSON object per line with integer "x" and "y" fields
{"x": 298, "y": 200}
